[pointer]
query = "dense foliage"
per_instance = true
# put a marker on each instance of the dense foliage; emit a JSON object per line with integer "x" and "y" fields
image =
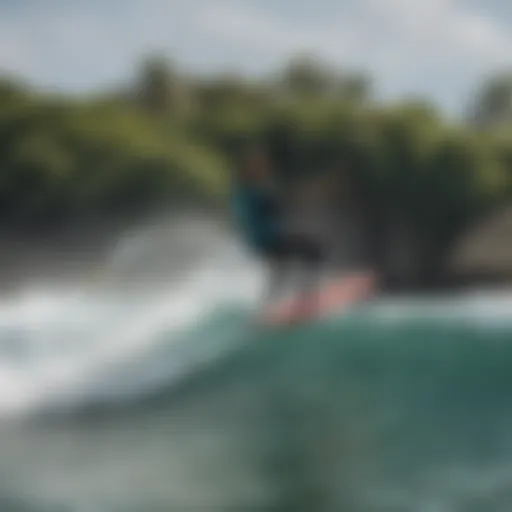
{"x": 63, "y": 159}
{"x": 171, "y": 138}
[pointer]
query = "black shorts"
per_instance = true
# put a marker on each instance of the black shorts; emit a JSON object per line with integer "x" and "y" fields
{"x": 295, "y": 247}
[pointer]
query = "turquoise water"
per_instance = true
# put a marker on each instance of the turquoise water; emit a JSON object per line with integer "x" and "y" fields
{"x": 390, "y": 407}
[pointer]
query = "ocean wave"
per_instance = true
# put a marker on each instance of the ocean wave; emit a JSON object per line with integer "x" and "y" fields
{"x": 68, "y": 349}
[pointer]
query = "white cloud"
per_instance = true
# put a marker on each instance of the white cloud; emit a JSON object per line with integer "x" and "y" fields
{"x": 434, "y": 47}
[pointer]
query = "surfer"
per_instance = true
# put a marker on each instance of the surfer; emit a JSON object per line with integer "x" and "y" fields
{"x": 261, "y": 207}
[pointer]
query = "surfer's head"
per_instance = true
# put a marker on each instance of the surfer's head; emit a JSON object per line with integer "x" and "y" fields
{"x": 254, "y": 166}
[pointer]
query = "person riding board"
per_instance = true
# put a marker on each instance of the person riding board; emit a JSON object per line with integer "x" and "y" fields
{"x": 260, "y": 207}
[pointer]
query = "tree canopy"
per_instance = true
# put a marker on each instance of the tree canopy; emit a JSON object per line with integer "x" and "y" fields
{"x": 170, "y": 137}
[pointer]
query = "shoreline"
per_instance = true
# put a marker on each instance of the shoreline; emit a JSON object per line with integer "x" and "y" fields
{"x": 70, "y": 254}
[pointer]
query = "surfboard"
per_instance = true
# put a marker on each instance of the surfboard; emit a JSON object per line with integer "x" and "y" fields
{"x": 335, "y": 295}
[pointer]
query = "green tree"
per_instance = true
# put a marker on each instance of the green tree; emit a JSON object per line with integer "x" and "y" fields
{"x": 493, "y": 104}
{"x": 305, "y": 74}
{"x": 161, "y": 90}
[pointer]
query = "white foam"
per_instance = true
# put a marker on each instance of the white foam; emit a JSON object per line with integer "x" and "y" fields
{"x": 58, "y": 344}
{"x": 491, "y": 308}
{"x": 54, "y": 342}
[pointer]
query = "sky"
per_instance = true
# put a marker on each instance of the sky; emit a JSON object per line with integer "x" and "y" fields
{"x": 439, "y": 49}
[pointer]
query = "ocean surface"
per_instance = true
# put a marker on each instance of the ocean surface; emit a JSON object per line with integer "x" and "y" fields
{"x": 170, "y": 398}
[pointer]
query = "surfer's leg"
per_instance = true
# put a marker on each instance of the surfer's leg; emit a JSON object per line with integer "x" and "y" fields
{"x": 276, "y": 260}
{"x": 311, "y": 256}
{"x": 276, "y": 279}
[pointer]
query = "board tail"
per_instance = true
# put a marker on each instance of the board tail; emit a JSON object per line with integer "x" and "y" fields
{"x": 335, "y": 295}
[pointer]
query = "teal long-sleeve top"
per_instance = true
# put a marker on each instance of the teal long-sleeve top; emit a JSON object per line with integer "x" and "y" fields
{"x": 257, "y": 214}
